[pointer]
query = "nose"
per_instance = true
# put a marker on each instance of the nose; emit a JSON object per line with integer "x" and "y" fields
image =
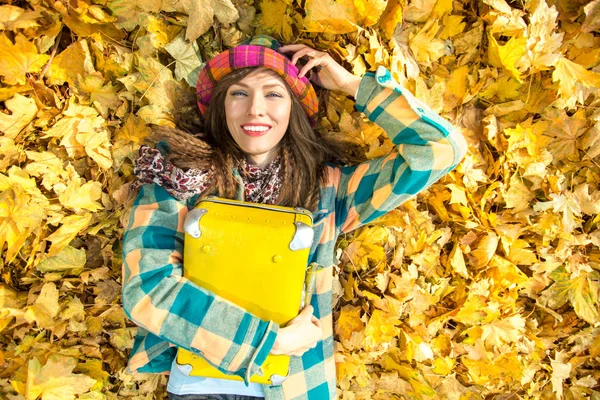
{"x": 257, "y": 105}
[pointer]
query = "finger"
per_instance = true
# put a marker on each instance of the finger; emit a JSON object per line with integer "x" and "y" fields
{"x": 308, "y": 66}
{"x": 292, "y": 47}
{"x": 299, "y": 54}
{"x": 307, "y": 311}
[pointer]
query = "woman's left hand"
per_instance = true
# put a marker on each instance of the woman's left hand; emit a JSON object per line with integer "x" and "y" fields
{"x": 326, "y": 72}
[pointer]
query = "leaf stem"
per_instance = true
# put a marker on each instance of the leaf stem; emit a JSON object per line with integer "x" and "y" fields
{"x": 156, "y": 77}
{"x": 54, "y": 50}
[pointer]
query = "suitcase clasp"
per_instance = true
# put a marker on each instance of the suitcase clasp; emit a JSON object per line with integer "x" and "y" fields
{"x": 303, "y": 237}
{"x": 191, "y": 224}
{"x": 277, "y": 380}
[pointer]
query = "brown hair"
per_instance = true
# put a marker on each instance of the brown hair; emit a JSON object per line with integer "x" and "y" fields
{"x": 302, "y": 151}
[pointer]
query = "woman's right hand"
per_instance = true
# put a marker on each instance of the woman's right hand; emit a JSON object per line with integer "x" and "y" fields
{"x": 299, "y": 335}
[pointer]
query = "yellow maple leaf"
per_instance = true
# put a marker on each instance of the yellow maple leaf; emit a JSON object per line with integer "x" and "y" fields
{"x": 22, "y": 112}
{"x": 456, "y": 88}
{"x": 507, "y": 56}
{"x": 499, "y": 5}
{"x": 424, "y": 44}
{"x": 522, "y": 138}
{"x": 70, "y": 228}
{"x": 350, "y": 367}
{"x": 580, "y": 291}
{"x": 45, "y": 308}
{"x": 458, "y": 195}
{"x": 22, "y": 210}
{"x": 452, "y": 25}
{"x": 82, "y": 197}
{"x": 444, "y": 366}
{"x": 83, "y": 24}
{"x": 68, "y": 259}
{"x": 157, "y": 85}
{"x": 50, "y": 168}
{"x": 366, "y": 249}
{"x": 473, "y": 311}
{"x": 442, "y": 8}
{"x": 349, "y": 321}
{"x": 19, "y": 59}
{"x": 413, "y": 376}
{"x": 128, "y": 139}
{"x": 419, "y": 11}
{"x": 380, "y": 331}
{"x": 72, "y": 62}
{"x": 543, "y": 42}
{"x": 356, "y": 60}
{"x": 112, "y": 60}
{"x": 202, "y": 12}
{"x": 276, "y": 19}
{"x": 129, "y": 14}
{"x": 561, "y": 370}
{"x": 12, "y": 304}
{"x": 504, "y": 88}
{"x": 56, "y": 380}
{"x": 521, "y": 254}
{"x": 565, "y": 132}
{"x": 571, "y": 78}
{"x": 390, "y": 18}
{"x": 518, "y": 195}
{"x": 486, "y": 369}
{"x": 83, "y": 131}
{"x": 159, "y": 31}
{"x": 94, "y": 369}
{"x": 343, "y": 16}
{"x": 457, "y": 261}
{"x": 13, "y": 18}
{"x": 484, "y": 251}
{"x": 91, "y": 89}
{"x": 503, "y": 331}
{"x": 11, "y": 152}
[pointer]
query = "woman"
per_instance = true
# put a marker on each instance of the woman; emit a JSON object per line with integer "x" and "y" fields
{"x": 259, "y": 110}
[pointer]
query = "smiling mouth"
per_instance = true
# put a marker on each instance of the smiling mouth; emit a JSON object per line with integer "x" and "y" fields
{"x": 255, "y": 130}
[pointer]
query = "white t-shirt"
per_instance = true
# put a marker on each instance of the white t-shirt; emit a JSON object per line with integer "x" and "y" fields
{"x": 180, "y": 382}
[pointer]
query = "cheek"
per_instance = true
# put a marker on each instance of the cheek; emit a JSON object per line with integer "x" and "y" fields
{"x": 283, "y": 115}
{"x": 230, "y": 115}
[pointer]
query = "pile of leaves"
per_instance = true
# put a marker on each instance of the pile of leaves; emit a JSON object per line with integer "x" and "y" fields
{"x": 485, "y": 285}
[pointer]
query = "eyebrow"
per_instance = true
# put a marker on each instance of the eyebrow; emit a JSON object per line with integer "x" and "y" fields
{"x": 268, "y": 86}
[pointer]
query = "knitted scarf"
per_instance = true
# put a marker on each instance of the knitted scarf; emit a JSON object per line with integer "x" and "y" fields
{"x": 261, "y": 185}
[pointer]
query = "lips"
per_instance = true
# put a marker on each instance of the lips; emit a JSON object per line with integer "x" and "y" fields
{"x": 256, "y": 129}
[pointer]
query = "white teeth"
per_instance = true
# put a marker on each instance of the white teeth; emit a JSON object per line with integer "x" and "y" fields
{"x": 256, "y": 128}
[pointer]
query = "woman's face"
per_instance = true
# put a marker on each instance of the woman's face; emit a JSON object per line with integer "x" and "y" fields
{"x": 257, "y": 109}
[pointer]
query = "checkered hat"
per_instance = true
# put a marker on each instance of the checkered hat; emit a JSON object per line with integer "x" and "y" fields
{"x": 259, "y": 51}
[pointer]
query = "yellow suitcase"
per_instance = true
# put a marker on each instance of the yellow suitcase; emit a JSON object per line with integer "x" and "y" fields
{"x": 254, "y": 255}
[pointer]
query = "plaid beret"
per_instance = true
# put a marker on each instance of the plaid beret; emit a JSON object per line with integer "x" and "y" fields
{"x": 259, "y": 51}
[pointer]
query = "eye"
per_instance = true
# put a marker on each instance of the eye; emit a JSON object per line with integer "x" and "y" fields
{"x": 274, "y": 94}
{"x": 237, "y": 93}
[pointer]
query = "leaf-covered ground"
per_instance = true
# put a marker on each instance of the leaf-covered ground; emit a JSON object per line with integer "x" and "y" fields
{"x": 484, "y": 286}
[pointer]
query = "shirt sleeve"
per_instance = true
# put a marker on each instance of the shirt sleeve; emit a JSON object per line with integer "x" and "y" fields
{"x": 158, "y": 298}
{"x": 427, "y": 148}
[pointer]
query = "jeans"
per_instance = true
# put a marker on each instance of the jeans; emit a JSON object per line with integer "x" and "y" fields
{"x": 211, "y": 397}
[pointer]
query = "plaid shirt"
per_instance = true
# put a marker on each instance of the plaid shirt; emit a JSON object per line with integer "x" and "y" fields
{"x": 173, "y": 312}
